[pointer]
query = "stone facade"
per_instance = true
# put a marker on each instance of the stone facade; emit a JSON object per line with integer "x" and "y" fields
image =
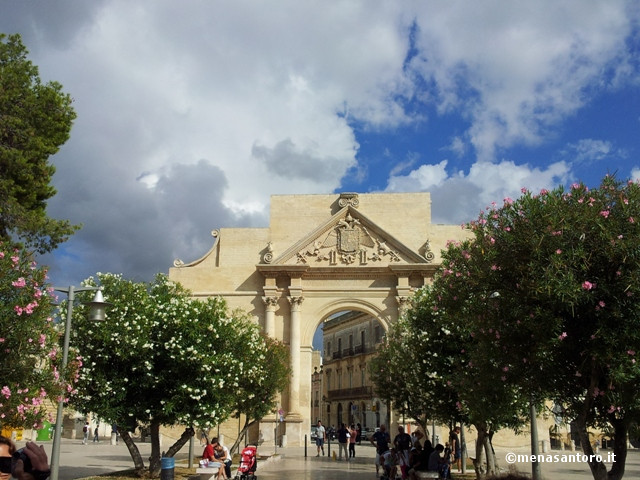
{"x": 320, "y": 255}
{"x": 350, "y": 341}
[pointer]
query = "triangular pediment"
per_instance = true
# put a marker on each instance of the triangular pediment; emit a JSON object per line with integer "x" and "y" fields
{"x": 349, "y": 238}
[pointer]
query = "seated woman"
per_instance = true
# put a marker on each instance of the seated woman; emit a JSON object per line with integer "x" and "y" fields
{"x": 220, "y": 456}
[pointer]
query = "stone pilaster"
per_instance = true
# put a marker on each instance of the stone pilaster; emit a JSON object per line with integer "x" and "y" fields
{"x": 294, "y": 389}
{"x": 271, "y": 303}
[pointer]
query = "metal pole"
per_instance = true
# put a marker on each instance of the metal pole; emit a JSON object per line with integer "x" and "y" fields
{"x": 57, "y": 434}
{"x": 305, "y": 445}
{"x": 463, "y": 449}
{"x": 536, "y": 473}
{"x": 191, "y": 443}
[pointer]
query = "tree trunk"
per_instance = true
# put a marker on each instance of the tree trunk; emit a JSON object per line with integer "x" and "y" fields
{"x": 599, "y": 469}
{"x": 491, "y": 459}
{"x": 477, "y": 462}
{"x": 247, "y": 425}
{"x": 154, "y": 459}
{"x": 138, "y": 463}
{"x": 184, "y": 438}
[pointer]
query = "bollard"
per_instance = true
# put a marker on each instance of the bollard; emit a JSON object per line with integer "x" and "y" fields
{"x": 167, "y": 465}
{"x": 329, "y": 446}
{"x": 305, "y": 445}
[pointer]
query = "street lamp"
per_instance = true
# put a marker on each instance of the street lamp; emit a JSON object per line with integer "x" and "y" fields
{"x": 97, "y": 313}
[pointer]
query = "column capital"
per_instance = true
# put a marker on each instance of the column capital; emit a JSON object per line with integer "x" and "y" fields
{"x": 295, "y": 301}
{"x": 404, "y": 302}
{"x": 271, "y": 301}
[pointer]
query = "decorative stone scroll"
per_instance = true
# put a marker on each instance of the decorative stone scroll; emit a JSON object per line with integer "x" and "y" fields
{"x": 268, "y": 254}
{"x": 349, "y": 199}
{"x": 179, "y": 263}
{"x": 349, "y": 242}
{"x": 426, "y": 252}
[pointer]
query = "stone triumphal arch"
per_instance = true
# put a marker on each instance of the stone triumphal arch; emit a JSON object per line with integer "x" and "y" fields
{"x": 320, "y": 255}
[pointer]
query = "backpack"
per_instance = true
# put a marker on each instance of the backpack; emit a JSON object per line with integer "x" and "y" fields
{"x": 85, "y": 429}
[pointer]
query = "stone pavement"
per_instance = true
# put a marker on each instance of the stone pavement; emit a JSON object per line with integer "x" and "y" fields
{"x": 80, "y": 461}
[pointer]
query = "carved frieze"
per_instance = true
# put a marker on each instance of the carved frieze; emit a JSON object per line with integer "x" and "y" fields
{"x": 347, "y": 243}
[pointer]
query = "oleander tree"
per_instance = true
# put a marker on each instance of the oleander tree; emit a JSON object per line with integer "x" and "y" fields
{"x": 556, "y": 279}
{"x": 164, "y": 358}
{"x": 256, "y": 394}
{"x": 36, "y": 121}
{"x": 31, "y": 377}
{"x": 426, "y": 366}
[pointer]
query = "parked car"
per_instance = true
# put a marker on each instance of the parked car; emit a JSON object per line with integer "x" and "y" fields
{"x": 367, "y": 433}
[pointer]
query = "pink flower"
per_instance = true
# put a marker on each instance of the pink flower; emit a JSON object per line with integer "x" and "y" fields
{"x": 605, "y": 213}
{"x": 5, "y": 391}
{"x": 19, "y": 283}
{"x": 586, "y": 285}
{"x": 563, "y": 335}
{"x": 631, "y": 352}
{"x": 558, "y": 251}
{"x": 631, "y": 220}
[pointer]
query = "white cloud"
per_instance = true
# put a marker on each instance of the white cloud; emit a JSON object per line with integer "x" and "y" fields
{"x": 517, "y": 68}
{"x": 458, "y": 198}
{"x": 191, "y": 114}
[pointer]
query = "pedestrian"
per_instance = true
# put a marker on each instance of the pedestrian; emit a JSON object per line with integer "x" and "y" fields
{"x": 85, "y": 432}
{"x": 402, "y": 444}
{"x": 343, "y": 439}
{"x": 353, "y": 436}
{"x": 321, "y": 436}
{"x": 114, "y": 432}
{"x": 380, "y": 440}
{"x": 456, "y": 450}
{"x": 359, "y": 436}
{"x": 96, "y": 436}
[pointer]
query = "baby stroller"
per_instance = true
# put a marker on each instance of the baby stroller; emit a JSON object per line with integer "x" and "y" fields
{"x": 248, "y": 463}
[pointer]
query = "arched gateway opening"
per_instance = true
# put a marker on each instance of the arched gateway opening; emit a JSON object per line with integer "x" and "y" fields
{"x": 321, "y": 255}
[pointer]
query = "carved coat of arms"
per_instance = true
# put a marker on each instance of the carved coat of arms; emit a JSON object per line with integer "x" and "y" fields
{"x": 347, "y": 242}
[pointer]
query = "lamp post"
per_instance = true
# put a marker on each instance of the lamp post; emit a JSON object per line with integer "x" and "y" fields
{"x": 97, "y": 313}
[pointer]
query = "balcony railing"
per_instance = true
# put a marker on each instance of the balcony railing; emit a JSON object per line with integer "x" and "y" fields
{"x": 350, "y": 393}
{"x": 350, "y": 352}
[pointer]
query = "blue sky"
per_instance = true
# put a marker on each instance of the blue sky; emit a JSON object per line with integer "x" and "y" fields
{"x": 191, "y": 114}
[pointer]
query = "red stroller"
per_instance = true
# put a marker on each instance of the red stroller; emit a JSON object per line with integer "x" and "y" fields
{"x": 248, "y": 463}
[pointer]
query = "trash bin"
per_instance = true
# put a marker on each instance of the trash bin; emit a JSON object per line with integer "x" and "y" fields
{"x": 43, "y": 434}
{"x": 167, "y": 468}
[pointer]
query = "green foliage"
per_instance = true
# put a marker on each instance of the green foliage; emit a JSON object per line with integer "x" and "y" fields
{"x": 36, "y": 121}
{"x": 29, "y": 355}
{"x": 256, "y": 394}
{"x": 540, "y": 303}
{"x": 566, "y": 265}
{"x": 164, "y": 357}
